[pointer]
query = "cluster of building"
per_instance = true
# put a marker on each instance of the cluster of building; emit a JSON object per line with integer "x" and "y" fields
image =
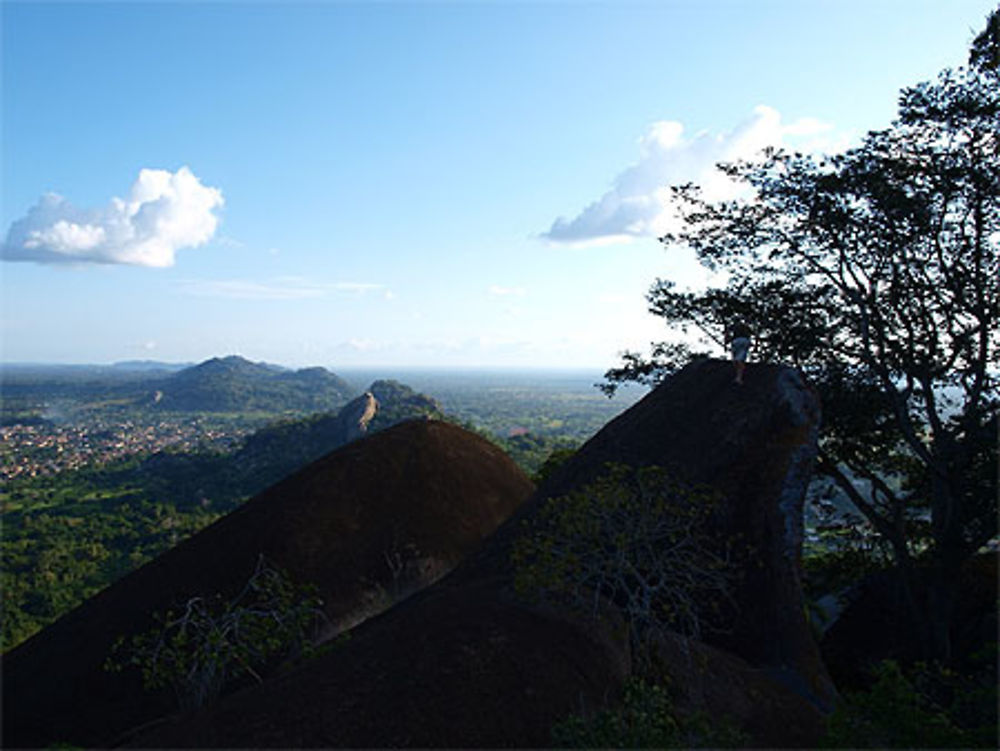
{"x": 45, "y": 449}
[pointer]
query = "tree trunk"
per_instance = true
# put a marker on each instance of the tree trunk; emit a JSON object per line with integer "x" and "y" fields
{"x": 918, "y": 615}
{"x": 947, "y": 555}
{"x": 941, "y": 601}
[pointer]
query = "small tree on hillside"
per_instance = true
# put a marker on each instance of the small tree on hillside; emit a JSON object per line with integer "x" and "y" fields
{"x": 209, "y": 641}
{"x": 638, "y": 539}
{"x": 877, "y": 272}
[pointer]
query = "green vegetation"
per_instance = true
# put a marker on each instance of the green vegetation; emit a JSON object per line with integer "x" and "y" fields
{"x": 552, "y": 463}
{"x": 54, "y": 559}
{"x": 876, "y": 272}
{"x": 211, "y": 641}
{"x": 646, "y": 718}
{"x": 635, "y": 539}
{"x": 842, "y": 551}
{"x": 504, "y": 405}
{"x": 920, "y": 707}
{"x": 538, "y": 455}
{"x": 397, "y": 402}
{"x": 234, "y": 384}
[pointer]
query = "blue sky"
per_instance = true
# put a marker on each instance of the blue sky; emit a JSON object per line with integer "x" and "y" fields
{"x": 472, "y": 184}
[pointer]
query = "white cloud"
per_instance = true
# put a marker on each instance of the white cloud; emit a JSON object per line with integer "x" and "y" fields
{"x": 638, "y": 203}
{"x": 280, "y": 288}
{"x": 164, "y": 212}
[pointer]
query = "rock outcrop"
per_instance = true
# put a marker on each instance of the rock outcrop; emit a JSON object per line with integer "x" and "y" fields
{"x": 755, "y": 444}
{"x": 876, "y": 623}
{"x": 275, "y": 451}
{"x": 368, "y": 525}
{"x": 356, "y": 415}
{"x": 467, "y": 663}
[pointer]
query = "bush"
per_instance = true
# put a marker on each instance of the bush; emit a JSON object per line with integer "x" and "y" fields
{"x": 553, "y": 462}
{"x": 645, "y": 719}
{"x": 922, "y": 707}
{"x": 210, "y": 641}
{"x": 636, "y": 538}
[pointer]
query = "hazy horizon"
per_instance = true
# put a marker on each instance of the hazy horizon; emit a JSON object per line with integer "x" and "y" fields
{"x": 347, "y": 368}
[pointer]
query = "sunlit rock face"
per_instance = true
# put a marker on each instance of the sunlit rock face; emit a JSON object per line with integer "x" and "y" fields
{"x": 467, "y": 662}
{"x": 356, "y": 415}
{"x": 368, "y": 525}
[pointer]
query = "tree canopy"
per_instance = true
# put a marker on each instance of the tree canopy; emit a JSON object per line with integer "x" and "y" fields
{"x": 877, "y": 272}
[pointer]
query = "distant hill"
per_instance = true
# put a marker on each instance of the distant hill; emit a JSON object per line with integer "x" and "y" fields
{"x": 398, "y": 402}
{"x": 235, "y": 384}
{"x": 146, "y": 366}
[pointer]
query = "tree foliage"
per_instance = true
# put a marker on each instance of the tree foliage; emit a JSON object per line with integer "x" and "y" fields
{"x": 637, "y": 539}
{"x": 51, "y": 560}
{"x": 985, "y": 51}
{"x": 646, "y": 718}
{"x": 877, "y": 272}
{"x": 209, "y": 641}
{"x": 927, "y": 706}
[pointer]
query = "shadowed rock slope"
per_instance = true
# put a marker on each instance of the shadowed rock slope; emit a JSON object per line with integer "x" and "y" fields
{"x": 756, "y": 445}
{"x": 421, "y": 494}
{"x": 465, "y": 663}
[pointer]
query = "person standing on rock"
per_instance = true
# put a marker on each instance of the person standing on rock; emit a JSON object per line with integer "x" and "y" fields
{"x": 739, "y": 345}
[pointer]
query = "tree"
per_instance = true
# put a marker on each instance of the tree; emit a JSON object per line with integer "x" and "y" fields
{"x": 209, "y": 641}
{"x": 985, "y": 52}
{"x": 877, "y": 272}
{"x": 637, "y": 539}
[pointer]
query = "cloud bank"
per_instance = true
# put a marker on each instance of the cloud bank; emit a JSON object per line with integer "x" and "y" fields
{"x": 163, "y": 213}
{"x": 638, "y": 203}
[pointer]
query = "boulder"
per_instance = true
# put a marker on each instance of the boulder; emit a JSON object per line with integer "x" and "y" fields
{"x": 367, "y": 525}
{"x": 467, "y": 663}
{"x": 453, "y": 667}
{"x": 720, "y": 685}
{"x": 356, "y": 415}
{"x": 755, "y": 444}
{"x": 875, "y": 624}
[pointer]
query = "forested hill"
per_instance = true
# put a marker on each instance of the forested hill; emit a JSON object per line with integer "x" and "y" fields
{"x": 230, "y": 384}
